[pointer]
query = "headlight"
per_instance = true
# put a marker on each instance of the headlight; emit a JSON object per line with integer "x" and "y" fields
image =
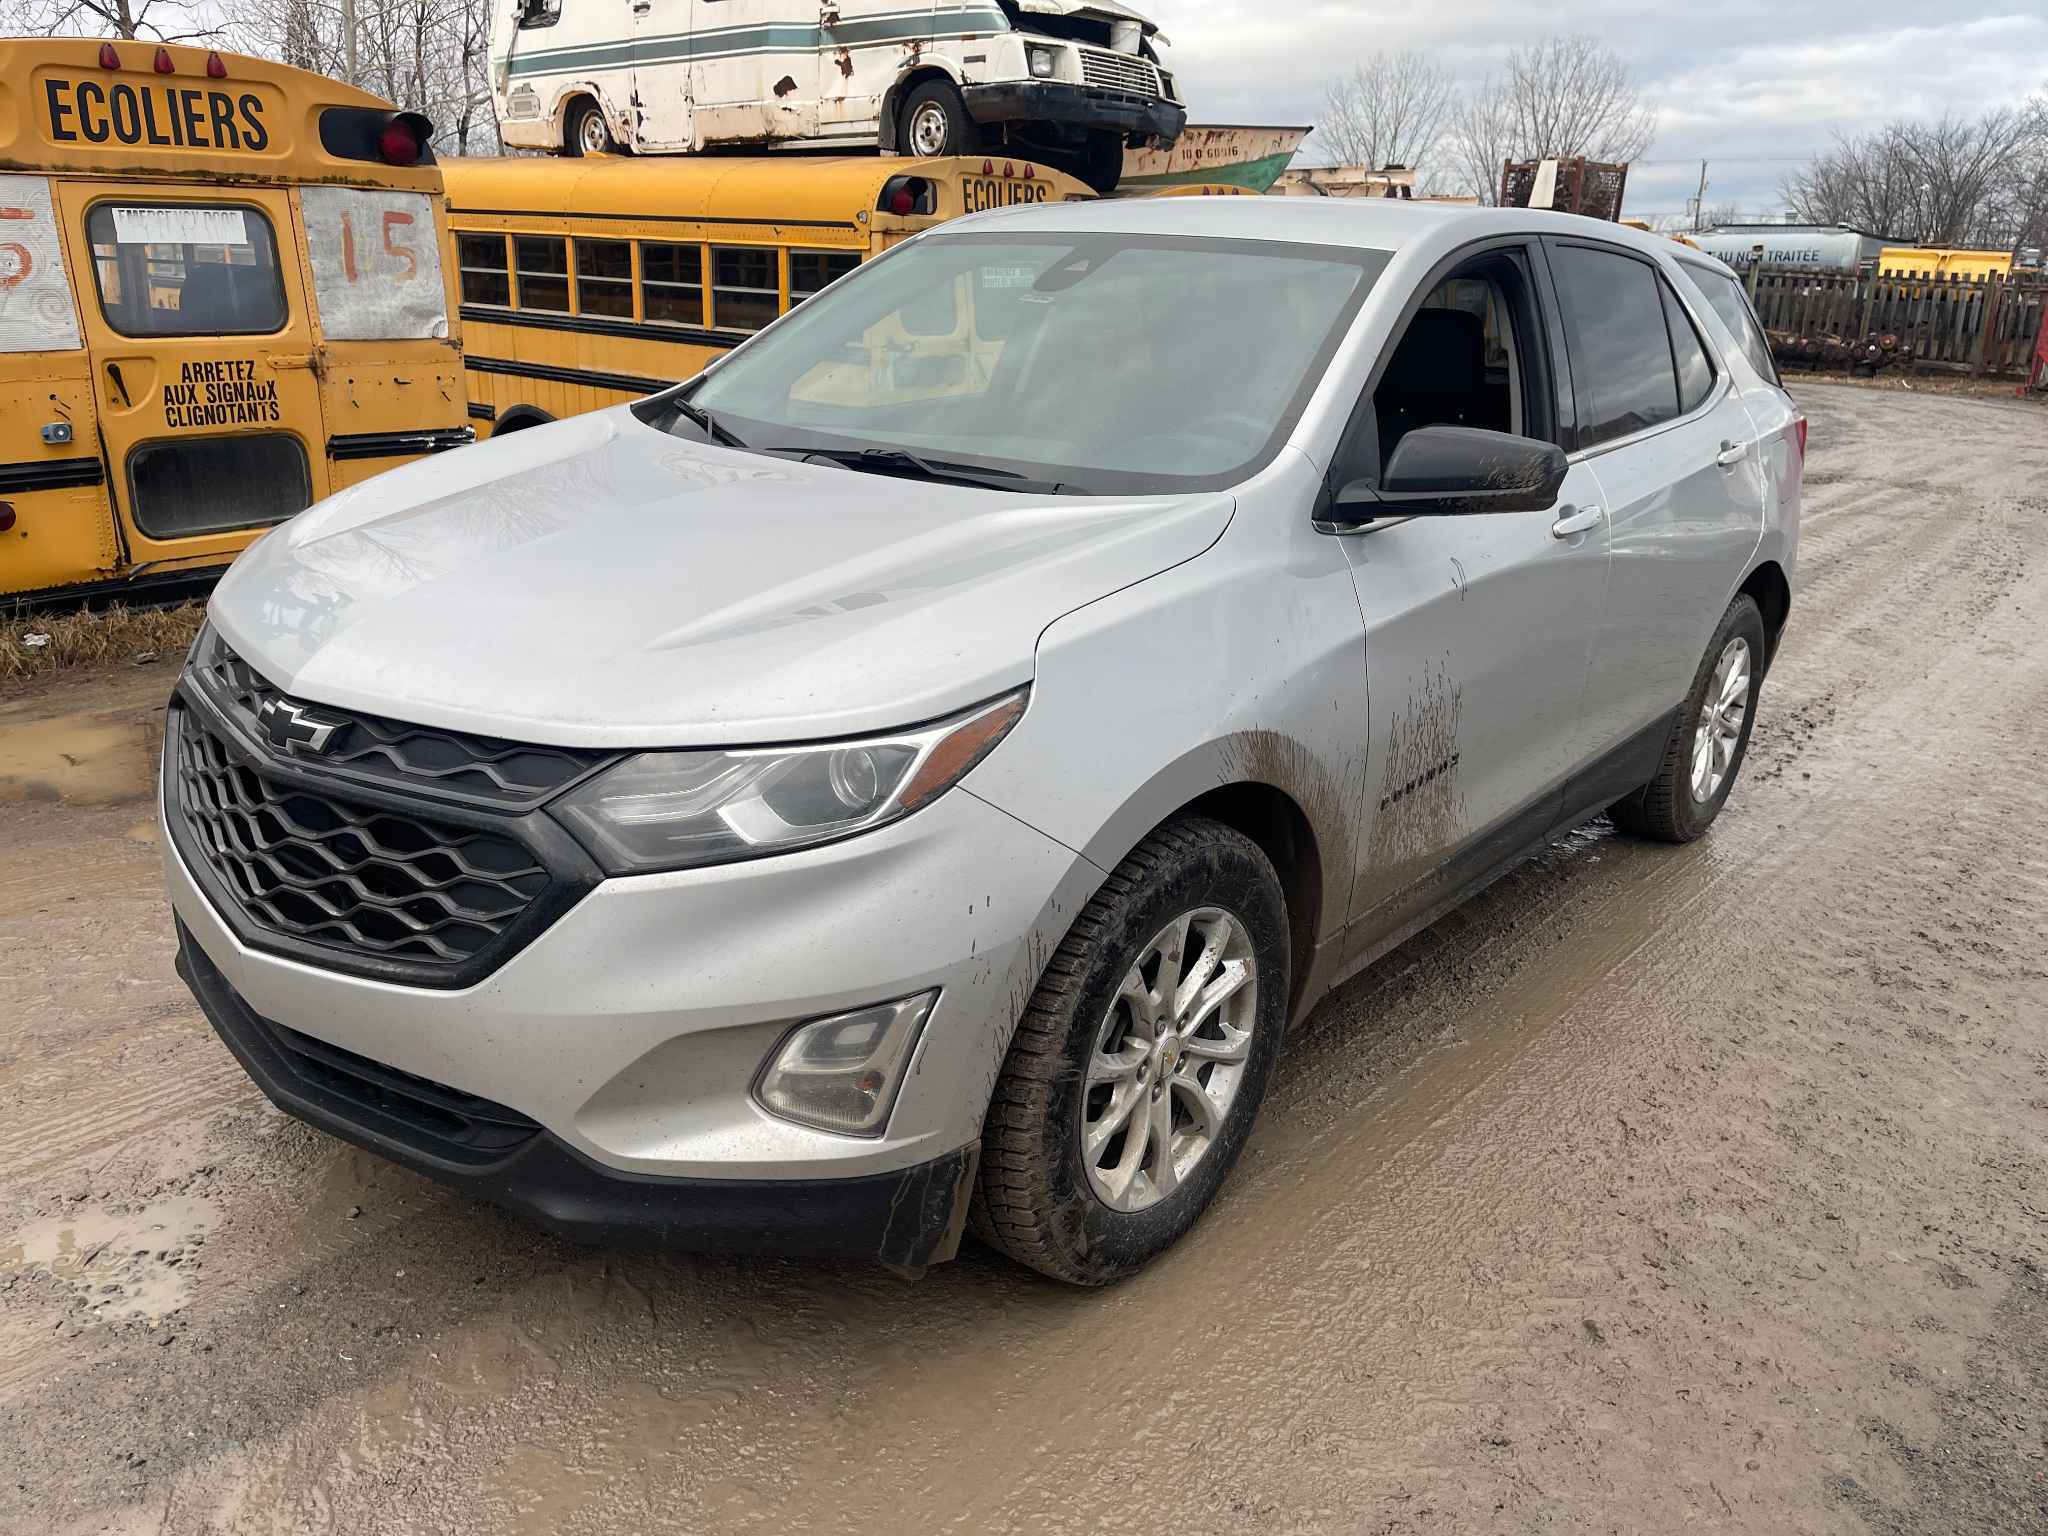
{"x": 681, "y": 810}
{"x": 1043, "y": 62}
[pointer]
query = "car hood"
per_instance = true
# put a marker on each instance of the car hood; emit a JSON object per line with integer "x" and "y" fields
{"x": 599, "y": 583}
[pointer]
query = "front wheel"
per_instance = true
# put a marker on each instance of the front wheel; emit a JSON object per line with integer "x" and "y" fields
{"x": 1102, "y": 162}
{"x": 935, "y": 122}
{"x": 1141, "y": 1060}
{"x": 1710, "y": 738}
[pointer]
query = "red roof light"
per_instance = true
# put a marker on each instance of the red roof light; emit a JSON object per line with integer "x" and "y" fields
{"x": 109, "y": 59}
{"x": 216, "y": 69}
{"x": 164, "y": 66}
{"x": 398, "y": 144}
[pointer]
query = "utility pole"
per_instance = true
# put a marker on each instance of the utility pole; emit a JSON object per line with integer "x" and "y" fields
{"x": 1699, "y": 202}
{"x": 348, "y": 42}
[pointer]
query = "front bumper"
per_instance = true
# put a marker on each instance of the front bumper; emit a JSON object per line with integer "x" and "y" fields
{"x": 909, "y": 1218}
{"x": 1076, "y": 106}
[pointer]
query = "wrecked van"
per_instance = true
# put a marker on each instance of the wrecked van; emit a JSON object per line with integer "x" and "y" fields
{"x": 1071, "y": 83}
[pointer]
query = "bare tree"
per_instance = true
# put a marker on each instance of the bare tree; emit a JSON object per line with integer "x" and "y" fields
{"x": 168, "y": 21}
{"x": 1391, "y": 109}
{"x": 1567, "y": 95}
{"x": 1955, "y": 181}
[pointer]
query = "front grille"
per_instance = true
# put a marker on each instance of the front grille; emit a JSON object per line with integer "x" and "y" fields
{"x": 432, "y": 1117}
{"x": 478, "y": 770}
{"x": 309, "y": 865}
{"x": 1119, "y": 72}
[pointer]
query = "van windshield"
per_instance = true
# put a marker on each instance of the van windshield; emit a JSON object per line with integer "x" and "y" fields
{"x": 1105, "y": 364}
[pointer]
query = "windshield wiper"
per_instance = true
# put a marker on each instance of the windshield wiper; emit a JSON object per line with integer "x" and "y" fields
{"x": 708, "y": 424}
{"x": 901, "y": 461}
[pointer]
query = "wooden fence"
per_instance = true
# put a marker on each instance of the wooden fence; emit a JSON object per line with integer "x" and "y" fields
{"x": 1981, "y": 326}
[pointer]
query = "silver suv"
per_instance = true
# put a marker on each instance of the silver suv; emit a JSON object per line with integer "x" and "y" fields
{"x": 908, "y": 779}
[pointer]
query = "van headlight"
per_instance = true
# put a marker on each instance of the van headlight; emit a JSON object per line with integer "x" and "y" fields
{"x": 683, "y": 810}
{"x": 1044, "y": 62}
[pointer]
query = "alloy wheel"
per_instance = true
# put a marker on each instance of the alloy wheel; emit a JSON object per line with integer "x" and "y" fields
{"x": 1722, "y": 713}
{"x": 1168, "y": 1059}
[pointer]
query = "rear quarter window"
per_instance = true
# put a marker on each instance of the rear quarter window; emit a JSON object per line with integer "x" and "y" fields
{"x": 1725, "y": 297}
{"x": 37, "y": 312}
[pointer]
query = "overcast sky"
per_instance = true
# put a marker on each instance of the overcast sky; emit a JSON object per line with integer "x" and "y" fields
{"x": 1734, "y": 80}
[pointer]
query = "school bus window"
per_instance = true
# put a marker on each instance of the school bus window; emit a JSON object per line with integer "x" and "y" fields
{"x": 672, "y": 282}
{"x": 190, "y": 485}
{"x": 813, "y": 271}
{"x": 182, "y": 269}
{"x": 604, "y": 278}
{"x": 482, "y": 261}
{"x": 542, "y": 262}
{"x": 745, "y": 293}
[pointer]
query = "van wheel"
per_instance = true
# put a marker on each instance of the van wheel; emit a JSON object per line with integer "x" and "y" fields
{"x": 935, "y": 121}
{"x": 587, "y": 133}
{"x": 1102, "y": 162}
{"x": 1710, "y": 738}
{"x": 1140, "y": 1061}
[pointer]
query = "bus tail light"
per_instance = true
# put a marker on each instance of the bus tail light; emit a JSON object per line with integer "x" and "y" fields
{"x": 109, "y": 58}
{"x": 906, "y": 195}
{"x": 398, "y": 144}
{"x": 216, "y": 67}
{"x": 383, "y": 138}
{"x": 6, "y": 517}
{"x": 164, "y": 66}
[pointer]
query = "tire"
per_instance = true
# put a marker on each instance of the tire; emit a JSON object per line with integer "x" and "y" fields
{"x": 935, "y": 122}
{"x": 1035, "y": 1198}
{"x": 585, "y": 132}
{"x": 1102, "y": 162}
{"x": 1671, "y": 808}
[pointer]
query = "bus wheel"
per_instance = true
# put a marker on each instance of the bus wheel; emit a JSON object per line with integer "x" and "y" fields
{"x": 1102, "y": 161}
{"x": 935, "y": 121}
{"x": 587, "y": 133}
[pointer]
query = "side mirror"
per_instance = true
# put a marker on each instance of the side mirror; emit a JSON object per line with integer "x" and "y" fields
{"x": 1459, "y": 471}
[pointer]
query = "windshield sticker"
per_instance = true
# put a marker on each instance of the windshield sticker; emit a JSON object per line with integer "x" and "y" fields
{"x": 1008, "y": 277}
{"x": 222, "y": 393}
{"x": 181, "y": 226}
{"x": 36, "y": 311}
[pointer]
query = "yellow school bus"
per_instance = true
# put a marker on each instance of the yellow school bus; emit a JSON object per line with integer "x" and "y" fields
{"x": 225, "y": 292}
{"x": 1942, "y": 261}
{"x": 591, "y": 281}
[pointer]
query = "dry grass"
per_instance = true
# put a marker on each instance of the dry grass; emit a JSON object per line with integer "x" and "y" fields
{"x": 111, "y": 637}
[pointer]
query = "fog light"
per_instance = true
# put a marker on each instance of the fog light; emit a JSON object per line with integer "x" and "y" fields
{"x": 1041, "y": 61}
{"x": 842, "y": 1073}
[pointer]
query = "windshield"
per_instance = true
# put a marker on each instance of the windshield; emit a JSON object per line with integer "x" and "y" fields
{"x": 1104, "y": 364}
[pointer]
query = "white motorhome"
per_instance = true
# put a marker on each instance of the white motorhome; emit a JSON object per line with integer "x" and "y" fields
{"x": 1071, "y": 83}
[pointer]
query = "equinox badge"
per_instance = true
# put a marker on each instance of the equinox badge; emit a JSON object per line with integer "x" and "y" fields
{"x": 292, "y": 728}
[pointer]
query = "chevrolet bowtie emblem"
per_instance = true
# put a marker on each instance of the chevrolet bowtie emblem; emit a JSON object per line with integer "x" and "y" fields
{"x": 294, "y": 728}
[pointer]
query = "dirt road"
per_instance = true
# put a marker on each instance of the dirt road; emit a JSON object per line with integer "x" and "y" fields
{"x": 1699, "y": 1188}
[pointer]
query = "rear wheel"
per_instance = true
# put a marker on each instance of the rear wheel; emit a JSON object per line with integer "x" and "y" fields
{"x": 935, "y": 121}
{"x": 586, "y": 132}
{"x": 1710, "y": 738}
{"x": 1140, "y": 1062}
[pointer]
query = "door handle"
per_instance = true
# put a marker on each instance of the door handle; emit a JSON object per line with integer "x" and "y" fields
{"x": 1731, "y": 454}
{"x": 294, "y": 360}
{"x": 1575, "y": 522}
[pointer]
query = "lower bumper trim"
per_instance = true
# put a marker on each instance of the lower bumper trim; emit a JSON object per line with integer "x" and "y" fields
{"x": 906, "y": 1219}
{"x": 1075, "y": 106}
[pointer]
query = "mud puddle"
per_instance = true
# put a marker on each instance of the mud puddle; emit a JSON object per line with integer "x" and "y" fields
{"x": 78, "y": 759}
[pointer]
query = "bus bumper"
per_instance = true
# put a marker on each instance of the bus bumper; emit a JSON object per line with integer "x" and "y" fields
{"x": 1076, "y": 106}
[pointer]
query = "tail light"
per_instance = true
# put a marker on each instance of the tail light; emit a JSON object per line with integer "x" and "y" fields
{"x": 6, "y": 517}
{"x": 398, "y": 144}
{"x": 907, "y": 195}
{"x": 1800, "y": 424}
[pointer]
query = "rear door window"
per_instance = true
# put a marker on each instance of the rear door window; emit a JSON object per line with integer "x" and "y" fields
{"x": 1622, "y": 369}
{"x": 183, "y": 486}
{"x": 1725, "y": 297}
{"x": 186, "y": 269}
